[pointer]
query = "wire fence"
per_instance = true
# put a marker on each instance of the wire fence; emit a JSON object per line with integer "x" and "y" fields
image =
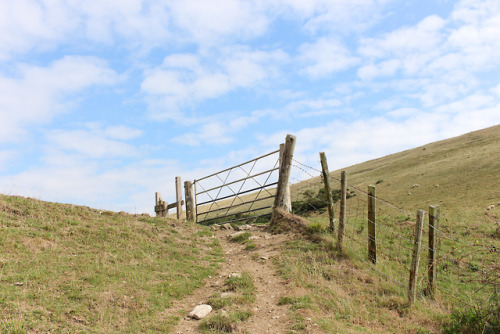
{"x": 467, "y": 273}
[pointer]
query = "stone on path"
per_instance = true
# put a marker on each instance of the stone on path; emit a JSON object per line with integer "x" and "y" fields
{"x": 200, "y": 311}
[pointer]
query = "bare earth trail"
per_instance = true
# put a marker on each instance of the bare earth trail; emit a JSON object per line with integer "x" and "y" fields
{"x": 267, "y": 315}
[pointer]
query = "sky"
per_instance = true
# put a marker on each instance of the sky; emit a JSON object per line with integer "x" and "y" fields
{"x": 104, "y": 102}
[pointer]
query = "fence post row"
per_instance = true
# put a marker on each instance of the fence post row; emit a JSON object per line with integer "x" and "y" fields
{"x": 434, "y": 212}
{"x": 328, "y": 189}
{"x": 188, "y": 193}
{"x": 282, "y": 198}
{"x": 412, "y": 287}
{"x": 372, "y": 240}
{"x": 343, "y": 199}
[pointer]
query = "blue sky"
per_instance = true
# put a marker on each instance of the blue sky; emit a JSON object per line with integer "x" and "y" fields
{"x": 102, "y": 103}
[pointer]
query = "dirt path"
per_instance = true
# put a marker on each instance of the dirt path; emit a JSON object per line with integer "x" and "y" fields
{"x": 267, "y": 315}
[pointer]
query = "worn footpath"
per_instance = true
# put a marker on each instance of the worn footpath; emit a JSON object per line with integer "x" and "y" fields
{"x": 267, "y": 316}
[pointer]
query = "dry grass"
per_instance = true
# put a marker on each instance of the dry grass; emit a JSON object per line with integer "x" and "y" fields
{"x": 65, "y": 268}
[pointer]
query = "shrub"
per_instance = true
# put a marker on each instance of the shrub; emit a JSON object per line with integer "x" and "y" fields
{"x": 316, "y": 203}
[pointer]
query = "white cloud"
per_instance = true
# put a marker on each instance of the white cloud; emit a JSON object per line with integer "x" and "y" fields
{"x": 325, "y": 57}
{"x": 333, "y": 16}
{"x": 218, "y": 131}
{"x": 27, "y": 25}
{"x": 210, "y": 22}
{"x": 184, "y": 80}
{"x": 36, "y": 94}
{"x": 93, "y": 142}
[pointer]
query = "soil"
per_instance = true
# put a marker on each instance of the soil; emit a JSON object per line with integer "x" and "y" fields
{"x": 267, "y": 315}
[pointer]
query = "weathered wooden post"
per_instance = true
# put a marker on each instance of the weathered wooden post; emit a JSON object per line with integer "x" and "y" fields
{"x": 328, "y": 190}
{"x": 161, "y": 207}
{"x": 286, "y": 197}
{"x": 434, "y": 212}
{"x": 188, "y": 193}
{"x": 412, "y": 287}
{"x": 281, "y": 201}
{"x": 342, "y": 215}
{"x": 372, "y": 239}
{"x": 178, "y": 196}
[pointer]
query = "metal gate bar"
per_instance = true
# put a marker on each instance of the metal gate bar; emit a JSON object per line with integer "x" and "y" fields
{"x": 237, "y": 205}
{"x": 248, "y": 206}
{"x": 227, "y": 169}
{"x": 233, "y": 182}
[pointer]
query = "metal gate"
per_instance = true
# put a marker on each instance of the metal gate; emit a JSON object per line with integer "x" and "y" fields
{"x": 242, "y": 192}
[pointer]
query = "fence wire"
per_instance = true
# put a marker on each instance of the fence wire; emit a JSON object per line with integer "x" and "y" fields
{"x": 466, "y": 272}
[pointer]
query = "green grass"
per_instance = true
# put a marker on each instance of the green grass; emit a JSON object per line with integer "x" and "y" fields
{"x": 66, "y": 268}
{"x": 243, "y": 290}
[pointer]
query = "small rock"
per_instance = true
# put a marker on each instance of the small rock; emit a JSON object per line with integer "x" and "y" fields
{"x": 226, "y": 226}
{"x": 234, "y": 235}
{"x": 200, "y": 311}
{"x": 253, "y": 237}
{"x": 227, "y": 294}
{"x": 245, "y": 227}
{"x": 264, "y": 258}
{"x": 237, "y": 275}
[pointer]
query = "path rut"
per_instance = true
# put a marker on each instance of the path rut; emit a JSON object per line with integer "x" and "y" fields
{"x": 267, "y": 315}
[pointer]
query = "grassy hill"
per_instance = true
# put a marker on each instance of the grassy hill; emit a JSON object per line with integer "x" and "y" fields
{"x": 460, "y": 173}
{"x": 65, "y": 268}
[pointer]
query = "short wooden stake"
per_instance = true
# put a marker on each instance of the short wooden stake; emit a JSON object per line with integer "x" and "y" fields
{"x": 412, "y": 286}
{"x": 434, "y": 212}
{"x": 188, "y": 191}
{"x": 161, "y": 208}
{"x": 178, "y": 196}
{"x": 372, "y": 238}
{"x": 343, "y": 200}
{"x": 328, "y": 189}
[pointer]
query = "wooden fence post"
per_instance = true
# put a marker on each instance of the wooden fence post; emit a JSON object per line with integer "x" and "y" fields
{"x": 161, "y": 208}
{"x": 280, "y": 201}
{"x": 178, "y": 195}
{"x": 434, "y": 212}
{"x": 286, "y": 196}
{"x": 328, "y": 190}
{"x": 372, "y": 238}
{"x": 188, "y": 193}
{"x": 412, "y": 287}
{"x": 343, "y": 199}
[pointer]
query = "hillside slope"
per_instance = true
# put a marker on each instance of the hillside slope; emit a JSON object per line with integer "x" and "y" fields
{"x": 459, "y": 174}
{"x": 65, "y": 268}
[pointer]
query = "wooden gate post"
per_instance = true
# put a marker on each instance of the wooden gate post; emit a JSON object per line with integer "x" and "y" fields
{"x": 286, "y": 196}
{"x": 188, "y": 193}
{"x": 280, "y": 201}
{"x": 343, "y": 200}
{"x": 328, "y": 190}
{"x": 412, "y": 286}
{"x": 178, "y": 196}
{"x": 372, "y": 239}
{"x": 434, "y": 212}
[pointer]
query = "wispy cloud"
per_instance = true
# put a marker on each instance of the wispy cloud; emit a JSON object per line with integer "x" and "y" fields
{"x": 34, "y": 95}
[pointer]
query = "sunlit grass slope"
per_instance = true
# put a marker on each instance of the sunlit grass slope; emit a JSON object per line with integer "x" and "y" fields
{"x": 65, "y": 268}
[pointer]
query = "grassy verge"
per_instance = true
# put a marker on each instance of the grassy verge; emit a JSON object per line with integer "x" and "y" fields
{"x": 65, "y": 268}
